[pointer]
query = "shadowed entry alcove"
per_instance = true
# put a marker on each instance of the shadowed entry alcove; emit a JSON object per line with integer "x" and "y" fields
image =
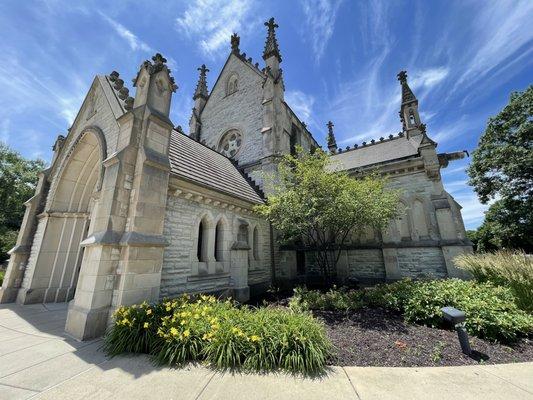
{"x": 56, "y": 254}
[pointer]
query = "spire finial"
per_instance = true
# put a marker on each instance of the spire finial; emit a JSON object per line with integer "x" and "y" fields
{"x": 201, "y": 87}
{"x": 402, "y": 77}
{"x": 332, "y": 143}
{"x": 271, "y": 45}
{"x": 235, "y": 41}
{"x": 407, "y": 94}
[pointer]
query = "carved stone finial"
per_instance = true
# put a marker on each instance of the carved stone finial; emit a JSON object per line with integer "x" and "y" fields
{"x": 422, "y": 128}
{"x": 128, "y": 103}
{"x": 119, "y": 83}
{"x": 235, "y": 41}
{"x": 271, "y": 45}
{"x": 123, "y": 93}
{"x": 402, "y": 77}
{"x": 113, "y": 76}
{"x": 159, "y": 59}
{"x": 201, "y": 87}
{"x": 59, "y": 143}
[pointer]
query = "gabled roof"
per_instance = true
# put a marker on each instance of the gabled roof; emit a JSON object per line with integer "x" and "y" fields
{"x": 379, "y": 152}
{"x": 197, "y": 163}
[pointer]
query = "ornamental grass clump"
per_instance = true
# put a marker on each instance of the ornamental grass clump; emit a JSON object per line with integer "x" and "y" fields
{"x": 332, "y": 300}
{"x": 513, "y": 269}
{"x": 221, "y": 334}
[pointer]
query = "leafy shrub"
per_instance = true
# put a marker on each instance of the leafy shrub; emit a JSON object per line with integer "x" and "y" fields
{"x": 513, "y": 269}
{"x": 221, "y": 334}
{"x": 334, "y": 299}
{"x": 2, "y": 273}
{"x": 491, "y": 311}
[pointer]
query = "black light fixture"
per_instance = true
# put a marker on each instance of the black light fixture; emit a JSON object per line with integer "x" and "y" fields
{"x": 458, "y": 318}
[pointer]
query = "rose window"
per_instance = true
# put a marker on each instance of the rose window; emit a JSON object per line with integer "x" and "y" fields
{"x": 230, "y": 143}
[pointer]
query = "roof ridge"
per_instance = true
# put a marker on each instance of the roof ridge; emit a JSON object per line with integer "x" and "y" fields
{"x": 250, "y": 181}
{"x": 373, "y": 142}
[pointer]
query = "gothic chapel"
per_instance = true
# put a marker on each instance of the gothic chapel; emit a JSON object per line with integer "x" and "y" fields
{"x": 133, "y": 209}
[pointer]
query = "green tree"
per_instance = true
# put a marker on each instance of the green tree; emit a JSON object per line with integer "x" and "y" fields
{"x": 502, "y": 171}
{"x": 319, "y": 207}
{"x": 18, "y": 177}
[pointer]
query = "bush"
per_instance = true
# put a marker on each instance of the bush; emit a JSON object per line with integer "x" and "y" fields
{"x": 491, "y": 311}
{"x": 511, "y": 269}
{"x": 334, "y": 299}
{"x": 221, "y": 334}
{"x": 2, "y": 273}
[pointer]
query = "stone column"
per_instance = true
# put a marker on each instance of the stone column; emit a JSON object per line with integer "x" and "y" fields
{"x": 20, "y": 254}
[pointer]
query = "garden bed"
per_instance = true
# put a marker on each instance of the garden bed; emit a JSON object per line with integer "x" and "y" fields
{"x": 377, "y": 337}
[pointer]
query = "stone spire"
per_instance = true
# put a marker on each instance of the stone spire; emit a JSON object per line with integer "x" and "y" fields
{"x": 271, "y": 45}
{"x": 409, "y": 115}
{"x": 201, "y": 87}
{"x": 332, "y": 143}
{"x": 235, "y": 41}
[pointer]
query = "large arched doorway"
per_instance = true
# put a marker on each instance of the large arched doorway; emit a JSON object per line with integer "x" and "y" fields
{"x": 56, "y": 255}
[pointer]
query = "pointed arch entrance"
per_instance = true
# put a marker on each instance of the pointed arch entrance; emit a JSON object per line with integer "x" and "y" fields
{"x": 56, "y": 254}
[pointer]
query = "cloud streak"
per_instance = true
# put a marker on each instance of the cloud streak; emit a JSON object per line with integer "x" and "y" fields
{"x": 211, "y": 22}
{"x": 320, "y": 16}
{"x": 133, "y": 41}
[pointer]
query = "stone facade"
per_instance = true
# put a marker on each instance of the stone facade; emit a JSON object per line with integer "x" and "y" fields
{"x": 132, "y": 209}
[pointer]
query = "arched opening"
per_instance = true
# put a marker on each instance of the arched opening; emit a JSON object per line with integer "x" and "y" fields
{"x": 232, "y": 85}
{"x": 201, "y": 247}
{"x": 219, "y": 241}
{"x": 402, "y": 222}
{"x": 53, "y": 267}
{"x": 412, "y": 121}
{"x": 420, "y": 220}
{"x": 255, "y": 244}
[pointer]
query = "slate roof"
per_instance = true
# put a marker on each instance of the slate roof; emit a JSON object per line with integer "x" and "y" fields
{"x": 199, "y": 164}
{"x": 379, "y": 152}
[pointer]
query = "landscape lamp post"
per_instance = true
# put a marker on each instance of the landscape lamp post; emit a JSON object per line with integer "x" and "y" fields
{"x": 457, "y": 318}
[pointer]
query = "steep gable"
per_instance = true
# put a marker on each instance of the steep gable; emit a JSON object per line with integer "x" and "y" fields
{"x": 241, "y": 110}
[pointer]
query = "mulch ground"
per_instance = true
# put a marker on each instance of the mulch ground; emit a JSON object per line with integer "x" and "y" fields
{"x": 376, "y": 337}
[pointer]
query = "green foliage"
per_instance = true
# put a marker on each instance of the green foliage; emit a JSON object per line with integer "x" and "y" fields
{"x": 334, "y": 299}
{"x": 512, "y": 269}
{"x": 491, "y": 310}
{"x": 220, "y": 334}
{"x": 18, "y": 177}
{"x": 319, "y": 207}
{"x": 502, "y": 169}
{"x": 2, "y": 273}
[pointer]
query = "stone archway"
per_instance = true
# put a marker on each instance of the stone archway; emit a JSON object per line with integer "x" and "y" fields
{"x": 56, "y": 254}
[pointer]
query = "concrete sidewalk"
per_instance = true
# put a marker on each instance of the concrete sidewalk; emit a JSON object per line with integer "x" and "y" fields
{"x": 37, "y": 360}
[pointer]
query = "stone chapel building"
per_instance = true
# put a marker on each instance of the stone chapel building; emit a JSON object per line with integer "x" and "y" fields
{"x": 133, "y": 209}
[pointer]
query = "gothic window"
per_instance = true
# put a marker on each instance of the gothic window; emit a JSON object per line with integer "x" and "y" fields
{"x": 219, "y": 241}
{"x": 242, "y": 235}
{"x": 402, "y": 222}
{"x": 419, "y": 219}
{"x": 231, "y": 85}
{"x": 230, "y": 143}
{"x": 411, "y": 118}
{"x": 201, "y": 248}
{"x": 256, "y": 244}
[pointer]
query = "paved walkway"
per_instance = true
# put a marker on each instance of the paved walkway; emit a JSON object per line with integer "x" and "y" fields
{"x": 37, "y": 360}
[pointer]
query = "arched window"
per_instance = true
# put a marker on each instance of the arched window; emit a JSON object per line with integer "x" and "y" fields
{"x": 402, "y": 222}
{"x": 232, "y": 85}
{"x": 419, "y": 219}
{"x": 411, "y": 118}
{"x": 200, "y": 253}
{"x": 219, "y": 241}
{"x": 256, "y": 244}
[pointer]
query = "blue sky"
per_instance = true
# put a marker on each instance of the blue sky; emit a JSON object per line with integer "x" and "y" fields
{"x": 340, "y": 60}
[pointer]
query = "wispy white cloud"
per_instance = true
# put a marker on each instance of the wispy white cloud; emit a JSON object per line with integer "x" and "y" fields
{"x": 320, "y": 16}
{"x": 429, "y": 78}
{"x": 301, "y": 103}
{"x": 497, "y": 39}
{"x": 211, "y": 22}
{"x": 133, "y": 41}
{"x": 4, "y": 130}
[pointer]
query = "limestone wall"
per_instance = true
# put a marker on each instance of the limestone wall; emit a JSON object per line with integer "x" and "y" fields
{"x": 183, "y": 272}
{"x": 241, "y": 110}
